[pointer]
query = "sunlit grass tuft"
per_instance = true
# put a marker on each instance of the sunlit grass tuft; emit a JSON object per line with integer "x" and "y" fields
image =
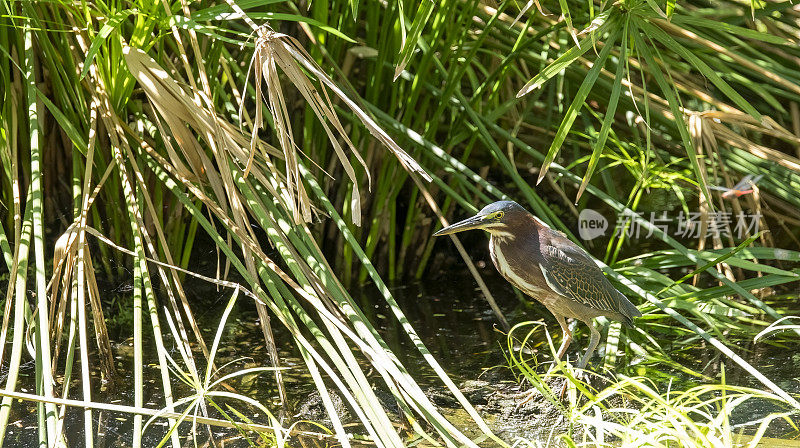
{"x": 613, "y": 409}
{"x": 134, "y": 123}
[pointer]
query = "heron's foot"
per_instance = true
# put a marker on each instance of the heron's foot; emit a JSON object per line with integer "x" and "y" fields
{"x": 586, "y": 377}
{"x": 553, "y": 384}
{"x": 578, "y": 374}
{"x": 564, "y": 383}
{"x": 526, "y": 397}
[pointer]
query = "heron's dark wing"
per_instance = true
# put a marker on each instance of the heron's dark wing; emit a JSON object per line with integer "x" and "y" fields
{"x": 572, "y": 273}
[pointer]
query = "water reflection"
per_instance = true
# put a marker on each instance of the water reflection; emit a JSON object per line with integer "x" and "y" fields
{"x": 449, "y": 314}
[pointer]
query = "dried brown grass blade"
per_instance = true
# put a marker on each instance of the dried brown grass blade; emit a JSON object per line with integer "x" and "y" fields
{"x": 273, "y": 53}
{"x": 276, "y": 50}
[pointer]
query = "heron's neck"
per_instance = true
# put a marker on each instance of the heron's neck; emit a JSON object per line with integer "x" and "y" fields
{"x": 517, "y": 234}
{"x": 500, "y": 237}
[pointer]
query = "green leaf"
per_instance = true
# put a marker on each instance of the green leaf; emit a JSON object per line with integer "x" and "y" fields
{"x": 718, "y": 25}
{"x": 577, "y": 103}
{"x": 223, "y": 11}
{"x": 420, "y": 19}
{"x": 675, "y": 108}
{"x": 701, "y": 66}
{"x": 713, "y": 262}
{"x": 670, "y": 8}
{"x": 567, "y": 58}
{"x": 600, "y": 144}
{"x": 282, "y": 17}
{"x": 193, "y": 24}
{"x": 101, "y": 37}
{"x": 568, "y": 19}
{"x": 758, "y": 88}
{"x": 65, "y": 123}
{"x": 657, "y": 9}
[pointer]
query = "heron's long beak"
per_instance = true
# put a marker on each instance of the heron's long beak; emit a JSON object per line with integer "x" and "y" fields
{"x": 476, "y": 222}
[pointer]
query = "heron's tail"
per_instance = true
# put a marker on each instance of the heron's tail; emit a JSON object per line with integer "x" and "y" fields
{"x": 628, "y": 310}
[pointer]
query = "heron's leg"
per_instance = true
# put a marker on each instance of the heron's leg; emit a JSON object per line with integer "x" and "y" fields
{"x": 567, "y": 336}
{"x": 592, "y": 344}
{"x": 566, "y": 340}
{"x": 589, "y": 350}
{"x": 561, "y": 350}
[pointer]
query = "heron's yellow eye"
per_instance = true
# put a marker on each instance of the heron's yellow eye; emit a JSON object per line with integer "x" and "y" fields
{"x": 499, "y": 215}
{"x": 495, "y": 216}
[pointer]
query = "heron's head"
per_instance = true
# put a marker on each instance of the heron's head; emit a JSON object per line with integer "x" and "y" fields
{"x": 497, "y": 218}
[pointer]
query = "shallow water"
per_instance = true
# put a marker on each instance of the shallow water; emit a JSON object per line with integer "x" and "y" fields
{"x": 450, "y": 315}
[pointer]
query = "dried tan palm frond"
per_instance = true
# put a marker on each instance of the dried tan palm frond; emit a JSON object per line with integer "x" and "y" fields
{"x": 276, "y": 50}
{"x": 73, "y": 275}
{"x": 717, "y": 122}
{"x": 177, "y": 108}
{"x": 705, "y": 145}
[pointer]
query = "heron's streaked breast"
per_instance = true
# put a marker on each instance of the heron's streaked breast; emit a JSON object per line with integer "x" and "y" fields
{"x": 507, "y": 271}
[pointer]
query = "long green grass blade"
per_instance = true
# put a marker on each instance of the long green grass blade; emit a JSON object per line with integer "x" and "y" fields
{"x": 677, "y": 113}
{"x": 675, "y": 46}
{"x": 421, "y": 18}
{"x": 613, "y": 100}
{"x": 718, "y": 25}
{"x": 566, "y": 59}
{"x": 577, "y": 103}
{"x": 112, "y": 24}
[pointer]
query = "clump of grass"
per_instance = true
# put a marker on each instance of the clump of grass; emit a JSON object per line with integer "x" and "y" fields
{"x": 659, "y": 416}
{"x": 143, "y": 115}
{"x": 614, "y": 409}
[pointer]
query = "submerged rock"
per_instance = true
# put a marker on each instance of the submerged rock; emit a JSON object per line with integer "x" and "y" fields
{"x": 513, "y": 411}
{"x": 313, "y": 409}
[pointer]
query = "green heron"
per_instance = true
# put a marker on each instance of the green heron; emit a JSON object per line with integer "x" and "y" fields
{"x": 544, "y": 264}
